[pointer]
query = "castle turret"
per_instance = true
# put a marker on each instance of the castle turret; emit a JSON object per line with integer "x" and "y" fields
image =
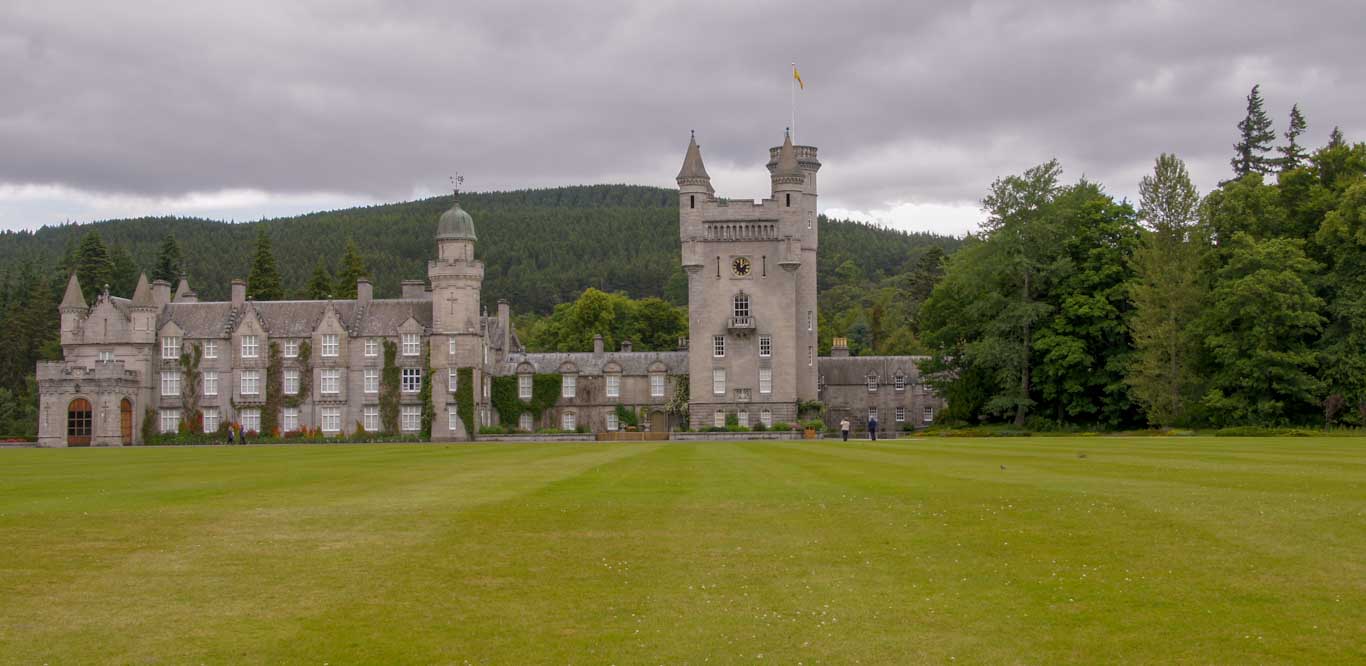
{"x": 73, "y": 309}
{"x": 692, "y": 178}
{"x": 456, "y": 279}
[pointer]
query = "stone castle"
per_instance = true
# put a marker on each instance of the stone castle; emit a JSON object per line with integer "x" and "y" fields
{"x": 751, "y": 355}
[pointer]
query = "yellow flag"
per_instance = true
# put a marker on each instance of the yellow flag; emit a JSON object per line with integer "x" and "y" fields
{"x": 797, "y": 75}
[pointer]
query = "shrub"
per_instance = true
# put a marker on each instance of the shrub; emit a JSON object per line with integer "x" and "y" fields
{"x": 783, "y": 425}
{"x": 760, "y": 427}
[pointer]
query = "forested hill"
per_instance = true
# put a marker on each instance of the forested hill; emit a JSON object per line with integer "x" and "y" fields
{"x": 540, "y": 247}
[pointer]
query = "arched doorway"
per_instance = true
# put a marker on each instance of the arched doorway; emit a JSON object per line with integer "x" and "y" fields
{"x": 126, "y": 421}
{"x": 79, "y": 420}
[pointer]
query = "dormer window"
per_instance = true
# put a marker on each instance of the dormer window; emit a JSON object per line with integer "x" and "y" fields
{"x": 292, "y": 348}
{"x": 211, "y": 349}
{"x": 170, "y": 347}
{"x": 872, "y": 383}
{"x": 412, "y": 344}
{"x": 250, "y": 346}
{"x": 331, "y": 345}
{"x": 900, "y": 382}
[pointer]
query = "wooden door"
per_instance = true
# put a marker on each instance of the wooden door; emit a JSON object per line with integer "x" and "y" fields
{"x": 79, "y": 420}
{"x": 659, "y": 422}
{"x": 126, "y": 421}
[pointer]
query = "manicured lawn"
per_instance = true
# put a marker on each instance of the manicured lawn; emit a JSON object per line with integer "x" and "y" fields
{"x": 1145, "y": 550}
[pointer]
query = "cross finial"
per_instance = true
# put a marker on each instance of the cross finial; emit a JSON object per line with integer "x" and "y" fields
{"x": 787, "y": 131}
{"x": 692, "y": 133}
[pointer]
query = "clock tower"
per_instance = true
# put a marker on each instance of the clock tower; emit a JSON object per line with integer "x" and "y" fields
{"x": 751, "y": 269}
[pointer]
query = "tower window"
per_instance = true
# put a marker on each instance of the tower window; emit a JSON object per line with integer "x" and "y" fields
{"x": 789, "y": 199}
{"x": 692, "y": 201}
{"x": 742, "y": 305}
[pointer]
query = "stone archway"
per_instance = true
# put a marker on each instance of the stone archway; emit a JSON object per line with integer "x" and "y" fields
{"x": 126, "y": 421}
{"x": 79, "y": 422}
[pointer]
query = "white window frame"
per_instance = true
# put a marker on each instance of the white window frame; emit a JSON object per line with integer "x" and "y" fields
{"x": 810, "y": 356}
{"x": 872, "y": 413}
{"x": 250, "y": 419}
{"x": 742, "y": 418}
{"x": 412, "y": 344}
{"x": 900, "y": 414}
{"x": 452, "y": 418}
{"x": 371, "y": 381}
{"x": 657, "y": 385}
{"x": 251, "y": 346}
{"x": 410, "y": 418}
{"x": 106, "y": 357}
{"x": 766, "y": 417}
{"x": 370, "y": 419}
{"x": 371, "y": 347}
{"x": 927, "y": 414}
{"x": 488, "y": 388}
{"x": 718, "y": 419}
{"x": 613, "y": 388}
{"x": 291, "y": 349}
{"x": 330, "y": 382}
{"x": 211, "y": 419}
{"x": 612, "y": 422}
{"x": 170, "y": 347}
{"x": 410, "y": 380}
{"x": 452, "y": 379}
{"x": 765, "y": 346}
{"x": 765, "y": 380}
{"x": 210, "y": 349}
{"x": 718, "y": 346}
{"x": 249, "y": 383}
{"x": 289, "y": 419}
{"x": 331, "y": 345}
{"x": 899, "y": 382}
{"x": 450, "y": 344}
{"x": 718, "y": 381}
{"x": 810, "y": 321}
{"x": 210, "y": 383}
{"x": 170, "y": 383}
{"x": 740, "y": 305}
{"x": 569, "y": 420}
{"x": 525, "y": 422}
{"x": 291, "y": 381}
{"x": 524, "y": 386}
{"x": 170, "y": 420}
{"x": 871, "y": 381}
{"x": 331, "y": 419}
{"x": 569, "y": 385}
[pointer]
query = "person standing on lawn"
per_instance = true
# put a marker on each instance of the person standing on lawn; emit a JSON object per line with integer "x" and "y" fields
{"x": 844, "y": 428}
{"x": 872, "y": 428}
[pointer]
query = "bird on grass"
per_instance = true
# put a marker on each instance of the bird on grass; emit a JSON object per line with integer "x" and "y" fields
{"x": 1003, "y": 467}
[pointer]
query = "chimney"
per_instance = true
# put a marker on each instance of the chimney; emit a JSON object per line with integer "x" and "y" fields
{"x": 505, "y": 321}
{"x": 839, "y": 348}
{"x": 161, "y": 292}
{"x": 626, "y": 346}
{"x": 414, "y": 289}
{"x": 364, "y": 291}
{"x": 188, "y": 297}
{"x": 597, "y": 345}
{"x": 239, "y": 291}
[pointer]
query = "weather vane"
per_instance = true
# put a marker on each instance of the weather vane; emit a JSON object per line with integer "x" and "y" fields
{"x": 456, "y": 181}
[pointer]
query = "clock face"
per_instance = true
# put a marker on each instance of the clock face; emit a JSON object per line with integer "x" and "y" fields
{"x": 740, "y": 266}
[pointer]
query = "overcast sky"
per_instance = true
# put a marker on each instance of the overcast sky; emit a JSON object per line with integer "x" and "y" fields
{"x": 244, "y": 109}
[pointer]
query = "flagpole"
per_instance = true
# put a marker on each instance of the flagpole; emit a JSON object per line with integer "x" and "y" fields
{"x": 792, "y": 85}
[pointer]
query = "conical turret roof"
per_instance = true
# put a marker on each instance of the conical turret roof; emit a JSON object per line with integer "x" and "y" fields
{"x": 73, "y": 297}
{"x": 142, "y": 294}
{"x": 692, "y": 163}
{"x": 787, "y": 169}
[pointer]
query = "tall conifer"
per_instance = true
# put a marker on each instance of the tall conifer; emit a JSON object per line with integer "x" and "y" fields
{"x": 263, "y": 284}
{"x": 1292, "y": 153}
{"x": 352, "y": 268}
{"x": 93, "y": 266}
{"x": 320, "y": 285}
{"x": 1254, "y": 140}
{"x": 169, "y": 266}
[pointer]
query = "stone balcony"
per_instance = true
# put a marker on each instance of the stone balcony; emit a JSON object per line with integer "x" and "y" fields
{"x": 741, "y": 324}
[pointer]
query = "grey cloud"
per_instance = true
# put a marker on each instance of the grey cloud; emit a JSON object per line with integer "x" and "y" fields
{"x": 925, "y": 101}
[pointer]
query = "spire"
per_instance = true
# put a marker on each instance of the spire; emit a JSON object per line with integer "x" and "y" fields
{"x": 787, "y": 170}
{"x": 73, "y": 297}
{"x": 182, "y": 288}
{"x": 142, "y": 294}
{"x": 693, "y": 172}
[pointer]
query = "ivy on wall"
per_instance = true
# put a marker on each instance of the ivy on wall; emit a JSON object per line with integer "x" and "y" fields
{"x": 425, "y": 393}
{"x": 189, "y": 388}
{"x": 545, "y": 391}
{"x": 305, "y": 375}
{"x": 388, "y": 389}
{"x": 464, "y": 399}
{"x": 270, "y": 414}
{"x": 678, "y": 403}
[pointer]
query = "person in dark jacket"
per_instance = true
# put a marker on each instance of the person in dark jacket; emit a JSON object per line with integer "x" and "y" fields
{"x": 229, "y": 434}
{"x": 872, "y": 428}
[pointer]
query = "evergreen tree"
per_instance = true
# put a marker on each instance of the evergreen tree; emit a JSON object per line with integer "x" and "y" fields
{"x": 1292, "y": 153}
{"x": 124, "y": 272}
{"x": 320, "y": 285}
{"x": 169, "y": 266}
{"x": 1167, "y": 293}
{"x": 93, "y": 266}
{"x": 1255, "y": 137}
{"x": 1335, "y": 139}
{"x": 352, "y": 268}
{"x": 263, "y": 284}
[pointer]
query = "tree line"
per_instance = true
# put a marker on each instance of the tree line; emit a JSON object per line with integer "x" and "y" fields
{"x": 1241, "y": 307}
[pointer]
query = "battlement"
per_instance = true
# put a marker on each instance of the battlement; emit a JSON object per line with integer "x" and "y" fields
{"x": 62, "y": 370}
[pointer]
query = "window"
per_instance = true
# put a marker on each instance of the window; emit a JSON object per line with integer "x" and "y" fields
{"x": 170, "y": 420}
{"x": 742, "y": 305}
{"x": 900, "y": 414}
{"x": 742, "y": 418}
{"x": 292, "y": 349}
{"x": 331, "y": 346}
{"x": 872, "y": 413}
{"x": 170, "y": 383}
{"x": 412, "y": 380}
{"x": 371, "y": 381}
{"x": 412, "y": 344}
{"x": 210, "y": 382}
{"x": 765, "y": 380}
{"x": 872, "y": 383}
{"x": 370, "y": 419}
{"x": 742, "y": 395}
{"x": 810, "y": 320}
{"x": 371, "y": 347}
{"x": 692, "y": 201}
{"x": 810, "y": 356}
{"x": 810, "y": 219}
{"x": 524, "y": 422}
{"x": 900, "y": 382}
{"x": 410, "y": 418}
{"x": 106, "y": 357}
{"x": 766, "y": 418}
{"x": 251, "y": 382}
{"x": 718, "y": 419}
{"x": 718, "y": 381}
{"x": 611, "y": 421}
{"x": 765, "y": 346}
{"x": 452, "y": 379}
{"x": 789, "y": 200}
{"x": 331, "y": 381}
{"x": 251, "y": 420}
{"x": 657, "y": 385}
{"x": 718, "y": 346}
{"x": 929, "y": 415}
{"x": 451, "y": 344}
{"x": 452, "y": 418}
{"x": 568, "y": 420}
{"x": 614, "y": 386}
{"x": 211, "y": 419}
{"x": 331, "y": 419}
{"x": 568, "y": 385}
{"x": 289, "y": 420}
{"x": 524, "y": 387}
{"x": 250, "y": 346}
{"x": 211, "y": 349}
{"x": 488, "y": 387}
{"x": 291, "y": 381}
{"x": 170, "y": 347}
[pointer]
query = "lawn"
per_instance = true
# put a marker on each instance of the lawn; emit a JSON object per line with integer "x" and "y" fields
{"x": 1195, "y": 550}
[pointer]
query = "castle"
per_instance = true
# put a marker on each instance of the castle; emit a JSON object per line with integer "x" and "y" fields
{"x": 751, "y": 354}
